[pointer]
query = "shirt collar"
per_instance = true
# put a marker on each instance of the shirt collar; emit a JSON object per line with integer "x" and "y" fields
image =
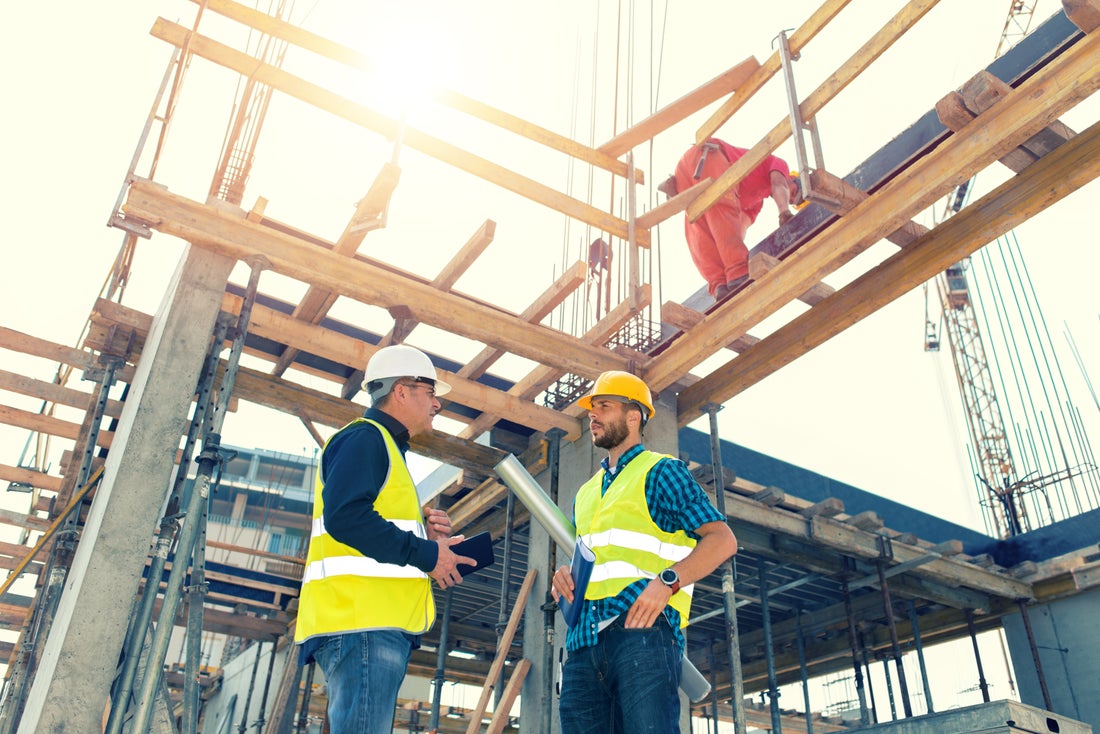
{"x": 395, "y": 427}
{"x": 624, "y": 459}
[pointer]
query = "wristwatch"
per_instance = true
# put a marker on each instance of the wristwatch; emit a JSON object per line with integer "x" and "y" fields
{"x": 670, "y": 579}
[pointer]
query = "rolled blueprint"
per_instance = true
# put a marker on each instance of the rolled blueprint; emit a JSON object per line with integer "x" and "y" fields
{"x": 559, "y": 527}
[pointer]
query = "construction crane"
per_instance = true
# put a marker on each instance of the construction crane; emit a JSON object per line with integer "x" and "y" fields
{"x": 993, "y": 455}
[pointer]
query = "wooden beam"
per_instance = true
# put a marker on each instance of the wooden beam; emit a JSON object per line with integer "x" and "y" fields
{"x": 1068, "y": 79}
{"x": 847, "y": 197}
{"x": 673, "y": 206}
{"x": 1050, "y": 179}
{"x": 235, "y": 236}
{"x": 849, "y": 70}
{"x": 725, "y": 83}
{"x": 762, "y": 262}
{"x": 33, "y": 477}
{"x": 1085, "y": 14}
{"x": 363, "y": 116}
{"x": 81, "y": 359}
{"x": 48, "y": 425}
{"x": 542, "y": 377}
{"x": 51, "y": 392}
{"x": 684, "y": 318}
{"x": 340, "y": 53}
{"x": 805, "y": 33}
{"x": 551, "y": 298}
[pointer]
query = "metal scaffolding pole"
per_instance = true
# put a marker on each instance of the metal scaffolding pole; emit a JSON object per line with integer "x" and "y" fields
{"x": 888, "y": 606}
{"x": 870, "y": 688}
{"x": 303, "y": 714}
{"x": 267, "y": 686}
{"x": 502, "y": 615}
{"x": 804, "y": 674}
{"x": 549, "y": 606}
{"x": 441, "y": 661}
{"x": 243, "y": 726}
{"x": 982, "y": 684}
{"x": 915, "y": 624}
{"x": 853, "y": 643}
{"x": 769, "y": 653}
{"x": 889, "y": 689}
{"x": 729, "y": 598}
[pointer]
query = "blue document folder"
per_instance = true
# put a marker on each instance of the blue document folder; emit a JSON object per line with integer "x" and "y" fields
{"x": 581, "y": 569}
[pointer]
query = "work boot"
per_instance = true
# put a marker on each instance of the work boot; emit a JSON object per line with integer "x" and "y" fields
{"x": 721, "y": 291}
{"x": 736, "y": 284}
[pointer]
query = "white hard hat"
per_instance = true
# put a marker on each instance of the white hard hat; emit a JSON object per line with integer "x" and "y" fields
{"x": 389, "y": 364}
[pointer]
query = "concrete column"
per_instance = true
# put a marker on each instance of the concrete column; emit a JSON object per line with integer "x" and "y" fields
{"x": 1065, "y": 636}
{"x": 72, "y": 684}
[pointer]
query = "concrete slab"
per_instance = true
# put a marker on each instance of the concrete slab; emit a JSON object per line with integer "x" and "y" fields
{"x": 996, "y": 717}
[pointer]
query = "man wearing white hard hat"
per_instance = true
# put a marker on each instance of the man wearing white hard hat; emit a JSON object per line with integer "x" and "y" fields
{"x": 366, "y": 590}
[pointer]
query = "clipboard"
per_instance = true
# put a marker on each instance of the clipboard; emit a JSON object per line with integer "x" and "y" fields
{"x": 480, "y": 548}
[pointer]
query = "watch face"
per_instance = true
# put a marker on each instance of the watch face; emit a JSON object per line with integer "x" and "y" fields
{"x": 669, "y": 577}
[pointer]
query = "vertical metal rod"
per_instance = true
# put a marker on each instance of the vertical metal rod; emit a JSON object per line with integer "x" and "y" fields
{"x": 805, "y": 675}
{"x": 889, "y": 690}
{"x": 888, "y": 606}
{"x": 713, "y": 686}
{"x": 303, "y": 714}
{"x": 505, "y": 578}
{"x": 769, "y": 653}
{"x": 441, "y": 661}
{"x": 549, "y": 606}
{"x": 915, "y": 624}
{"x": 870, "y": 688}
{"x": 729, "y": 598}
{"x": 267, "y": 686}
{"x": 982, "y": 684}
{"x": 196, "y": 593}
{"x": 243, "y": 726}
{"x": 853, "y": 643}
{"x": 172, "y": 593}
{"x": 1022, "y": 604}
{"x": 634, "y": 256}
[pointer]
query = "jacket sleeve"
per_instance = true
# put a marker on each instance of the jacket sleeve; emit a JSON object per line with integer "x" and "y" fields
{"x": 354, "y": 467}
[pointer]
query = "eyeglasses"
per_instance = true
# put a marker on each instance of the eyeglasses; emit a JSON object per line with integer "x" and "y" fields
{"x": 411, "y": 385}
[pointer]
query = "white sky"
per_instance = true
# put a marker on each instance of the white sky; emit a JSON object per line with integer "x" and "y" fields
{"x": 870, "y": 407}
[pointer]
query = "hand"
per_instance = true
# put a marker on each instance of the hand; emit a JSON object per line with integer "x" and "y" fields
{"x": 784, "y": 217}
{"x": 562, "y": 584}
{"x": 668, "y": 187}
{"x": 446, "y": 572}
{"x": 437, "y": 523}
{"x": 648, "y": 606}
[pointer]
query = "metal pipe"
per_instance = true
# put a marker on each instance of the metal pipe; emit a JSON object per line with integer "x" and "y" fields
{"x": 805, "y": 675}
{"x": 502, "y": 617}
{"x": 545, "y": 512}
{"x": 870, "y": 688}
{"x": 888, "y": 606}
{"x": 982, "y": 684}
{"x": 729, "y": 598}
{"x": 915, "y": 624}
{"x": 889, "y": 690}
{"x": 196, "y": 593}
{"x": 1022, "y": 603}
{"x": 441, "y": 661}
{"x": 549, "y": 606}
{"x": 267, "y": 686}
{"x": 713, "y": 686}
{"x": 853, "y": 643}
{"x": 769, "y": 653}
{"x": 303, "y": 714}
{"x": 243, "y": 726}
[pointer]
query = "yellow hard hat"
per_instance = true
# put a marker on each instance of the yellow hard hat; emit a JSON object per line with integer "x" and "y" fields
{"x": 615, "y": 383}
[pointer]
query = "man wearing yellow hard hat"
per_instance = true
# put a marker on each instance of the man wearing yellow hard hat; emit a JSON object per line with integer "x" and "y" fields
{"x": 654, "y": 533}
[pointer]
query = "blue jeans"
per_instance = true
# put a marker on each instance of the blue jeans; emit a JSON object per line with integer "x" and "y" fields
{"x": 628, "y": 683}
{"x": 363, "y": 672}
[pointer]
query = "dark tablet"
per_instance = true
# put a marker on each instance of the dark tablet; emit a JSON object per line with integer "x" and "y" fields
{"x": 480, "y": 548}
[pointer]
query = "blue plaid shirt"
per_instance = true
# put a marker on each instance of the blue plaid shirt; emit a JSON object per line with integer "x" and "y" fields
{"x": 676, "y": 502}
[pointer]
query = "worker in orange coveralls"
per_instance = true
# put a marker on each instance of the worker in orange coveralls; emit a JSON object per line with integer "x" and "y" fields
{"x": 716, "y": 239}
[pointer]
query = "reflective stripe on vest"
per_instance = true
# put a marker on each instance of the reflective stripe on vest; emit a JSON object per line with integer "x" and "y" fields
{"x": 345, "y": 591}
{"x": 619, "y": 529}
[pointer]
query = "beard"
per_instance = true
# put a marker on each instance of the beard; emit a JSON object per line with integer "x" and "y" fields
{"x": 614, "y": 433}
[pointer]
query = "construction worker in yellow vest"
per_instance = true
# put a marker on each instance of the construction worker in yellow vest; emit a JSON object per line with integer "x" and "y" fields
{"x": 654, "y": 532}
{"x": 366, "y": 590}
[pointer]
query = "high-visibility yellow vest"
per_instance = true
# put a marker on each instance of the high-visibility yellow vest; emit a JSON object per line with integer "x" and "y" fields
{"x": 627, "y": 544}
{"x": 345, "y": 591}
